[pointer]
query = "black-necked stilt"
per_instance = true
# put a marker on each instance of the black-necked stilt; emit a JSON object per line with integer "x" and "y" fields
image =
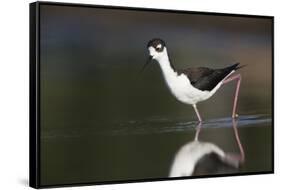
{"x": 192, "y": 85}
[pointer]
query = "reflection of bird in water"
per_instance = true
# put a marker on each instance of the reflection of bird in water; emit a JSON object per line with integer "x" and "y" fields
{"x": 204, "y": 158}
{"x": 192, "y": 85}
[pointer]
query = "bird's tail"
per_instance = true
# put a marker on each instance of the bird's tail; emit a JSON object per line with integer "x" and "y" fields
{"x": 233, "y": 67}
{"x": 236, "y": 66}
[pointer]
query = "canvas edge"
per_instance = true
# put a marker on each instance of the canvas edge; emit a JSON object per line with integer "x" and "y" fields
{"x": 151, "y": 9}
{"x": 34, "y": 97}
{"x": 34, "y": 121}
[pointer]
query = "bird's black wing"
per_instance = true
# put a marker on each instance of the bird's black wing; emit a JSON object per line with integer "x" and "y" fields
{"x": 204, "y": 78}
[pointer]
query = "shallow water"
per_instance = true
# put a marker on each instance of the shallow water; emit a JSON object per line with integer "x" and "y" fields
{"x": 146, "y": 149}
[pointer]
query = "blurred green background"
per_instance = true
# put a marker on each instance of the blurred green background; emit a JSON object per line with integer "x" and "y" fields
{"x": 92, "y": 88}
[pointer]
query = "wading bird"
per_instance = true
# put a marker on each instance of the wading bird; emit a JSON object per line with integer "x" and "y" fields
{"x": 192, "y": 85}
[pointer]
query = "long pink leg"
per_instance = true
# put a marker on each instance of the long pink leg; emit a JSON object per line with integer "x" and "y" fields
{"x": 229, "y": 79}
{"x": 197, "y": 112}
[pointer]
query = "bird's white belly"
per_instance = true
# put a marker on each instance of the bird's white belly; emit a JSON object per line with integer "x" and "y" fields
{"x": 182, "y": 89}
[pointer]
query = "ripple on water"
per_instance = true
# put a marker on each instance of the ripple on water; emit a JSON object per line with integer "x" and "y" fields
{"x": 156, "y": 126}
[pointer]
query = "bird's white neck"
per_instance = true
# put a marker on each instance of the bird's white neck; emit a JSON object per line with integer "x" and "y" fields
{"x": 165, "y": 64}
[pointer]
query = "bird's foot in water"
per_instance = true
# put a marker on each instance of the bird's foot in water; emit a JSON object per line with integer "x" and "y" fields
{"x": 234, "y": 116}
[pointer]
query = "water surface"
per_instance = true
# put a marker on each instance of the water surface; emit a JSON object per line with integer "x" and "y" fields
{"x": 146, "y": 149}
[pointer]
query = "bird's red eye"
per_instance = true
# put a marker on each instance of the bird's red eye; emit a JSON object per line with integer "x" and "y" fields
{"x": 158, "y": 49}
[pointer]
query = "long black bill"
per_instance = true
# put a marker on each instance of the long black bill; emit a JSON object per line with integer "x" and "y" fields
{"x": 147, "y": 63}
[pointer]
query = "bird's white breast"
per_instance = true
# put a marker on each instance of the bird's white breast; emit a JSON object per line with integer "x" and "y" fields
{"x": 180, "y": 85}
{"x": 183, "y": 90}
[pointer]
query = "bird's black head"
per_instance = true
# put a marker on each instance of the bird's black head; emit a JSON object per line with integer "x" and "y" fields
{"x": 157, "y": 44}
{"x": 156, "y": 49}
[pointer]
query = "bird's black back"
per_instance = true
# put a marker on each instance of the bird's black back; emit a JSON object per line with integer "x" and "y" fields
{"x": 204, "y": 78}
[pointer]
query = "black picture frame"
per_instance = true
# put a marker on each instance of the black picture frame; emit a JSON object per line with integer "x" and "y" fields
{"x": 35, "y": 93}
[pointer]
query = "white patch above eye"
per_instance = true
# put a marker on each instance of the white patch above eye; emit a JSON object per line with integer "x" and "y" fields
{"x": 159, "y": 46}
{"x": 152, "y": 51}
